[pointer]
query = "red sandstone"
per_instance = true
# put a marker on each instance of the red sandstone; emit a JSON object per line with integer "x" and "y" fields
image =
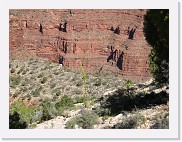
{"x": 85, "y": 36}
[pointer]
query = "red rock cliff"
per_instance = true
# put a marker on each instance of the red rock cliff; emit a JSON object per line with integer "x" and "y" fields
{"x": 102, "y": 40}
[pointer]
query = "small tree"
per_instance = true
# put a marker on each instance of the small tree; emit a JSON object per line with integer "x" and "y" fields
{"x": 156, "y": 30}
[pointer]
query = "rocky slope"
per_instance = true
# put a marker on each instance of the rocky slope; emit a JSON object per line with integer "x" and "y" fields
{"x": 118, "y": 103}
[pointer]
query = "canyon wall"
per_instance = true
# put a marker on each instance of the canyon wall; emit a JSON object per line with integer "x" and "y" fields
{"x": 100, "y": 40}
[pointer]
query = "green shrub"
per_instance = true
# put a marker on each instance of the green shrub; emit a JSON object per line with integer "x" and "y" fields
{"x": 79, "y": 83}
{"x": 87, "y": 119}
{"x": 78, "y": 92}
{"x": 56, "y": 73}
{"x": 71, "y": 124}
{"x": 128, "y": 84}
{"x": 16, "y": 94}
{"x": 24, "y": 83}
{"x": 47, "y": 110}
{"x": 56, "y": 90}
{"x": 15, "y": 80}
{"x": 102, "y": 111}
{"x": 65, "y": 103}
{"x": 24, "y": 89}
{"x": 58, "y": 93}
{"x": 44, "y": 79}
{"x": 26, "y": 113}
{"x": 20, "y": 70}
{"x": 40, "y": 75}
{"x": 162, "y": 124}
{"x": 98, "y": 82}
{"x": 15, "y": 121}
{"x": 37, "y": 91}
{"x": 54, "y": 98}
{"x": 24, "y": 71}
{"x": 12, "y": 70}
{"x": 105, "y": 117}
{"x": 130, "y": 122}
{"x": 53, "y": 85}
{"x": 104, "y": 82}
{"x": 31, "y": 72}
{"x": 80, "y": 99}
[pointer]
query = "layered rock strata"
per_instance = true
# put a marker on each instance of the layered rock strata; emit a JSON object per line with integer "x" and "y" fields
{"x": 100, "y": 40}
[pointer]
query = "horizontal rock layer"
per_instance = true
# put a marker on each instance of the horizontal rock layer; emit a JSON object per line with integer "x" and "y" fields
{"x": 100, "y": 40}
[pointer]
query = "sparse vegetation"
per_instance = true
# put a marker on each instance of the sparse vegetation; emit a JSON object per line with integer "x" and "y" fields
{"x": 62, "y": 95}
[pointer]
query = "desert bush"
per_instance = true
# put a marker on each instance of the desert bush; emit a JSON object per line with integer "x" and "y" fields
{"x": 53, "y": 85}
{"x": 20, "y": 70}
{"x": 25, "y": 71}
{"x": 47, "y": 110}
{"x": 40, "y": 75}
{"x": 86, "y": 120}
{"x": 81, "y": 99}
{"x": 104, "y": 82}
{"x": 15, "y": 121}
{"x": 107, "y": 86}
{"x": 26, "y": 113}
{"x": 56, "y": 90}
{"x": 105, "y": 117}
{"x": 162, "y": 124}
{"x": 74, "y": 78}
{"x": 98, "y": 82}
{"x": 58, "y": 93}
{"x": 24, "y": 89}
{"x": 66, "y": 103}
{"x": 102, "y": 111}
{"x": 79, "y": 83}
{"x": 128, "y": 84}
{"x": 12, "y": 70}
{"x": 36, "y": 92}
{"x": 10, "y": 65}
{"x": 130, "y": 122}
{"x": 24, "y": 83}
{"x": 78, "y": 91}
{"x": 56, "y": 73}
{"x": 15, "y": 80}
{"x": 54, "y": 98}
{"x": 71, "y": 124}
{"x": 43, "y": 80}
{"x": 16, "y": 94}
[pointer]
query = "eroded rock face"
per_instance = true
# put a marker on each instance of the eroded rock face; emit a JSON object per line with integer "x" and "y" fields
{"x": 99, "y": 40}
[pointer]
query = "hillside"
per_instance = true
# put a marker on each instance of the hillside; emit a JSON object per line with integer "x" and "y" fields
{"x": 48, "y": 95}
